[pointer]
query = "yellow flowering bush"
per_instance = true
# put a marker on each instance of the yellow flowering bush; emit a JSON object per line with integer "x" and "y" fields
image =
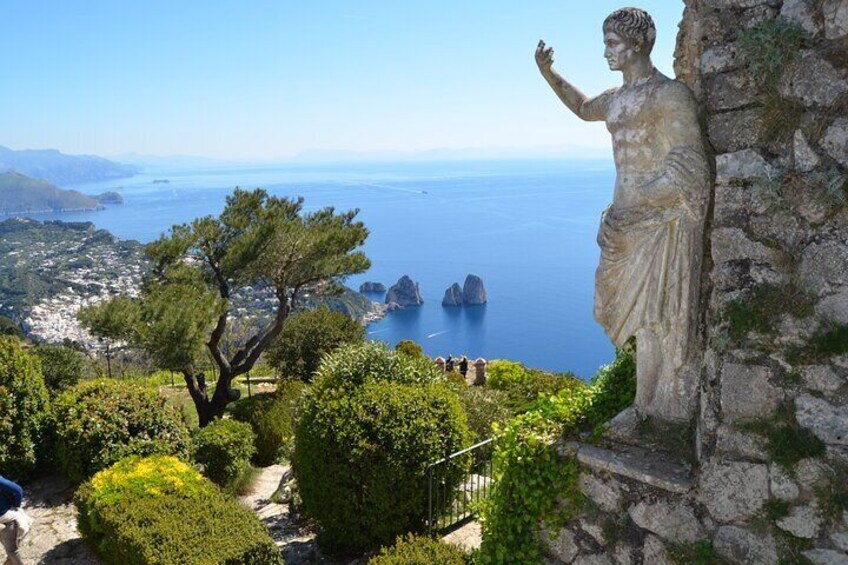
{"x": 135, "y": 513}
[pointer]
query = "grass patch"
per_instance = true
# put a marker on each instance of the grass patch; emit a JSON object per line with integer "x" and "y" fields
{"x": 832, "y": 340}
{"x": 833, "y": 497}
{"x": 787, "y": 441}
{"x": 760, "y": 310}
{"x": 698, "y": 553}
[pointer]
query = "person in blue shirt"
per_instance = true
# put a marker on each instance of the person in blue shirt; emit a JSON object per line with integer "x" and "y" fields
{"x": 13, "y": 521}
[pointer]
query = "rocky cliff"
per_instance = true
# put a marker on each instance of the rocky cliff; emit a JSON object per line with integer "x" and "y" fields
{"x": 404, "y": 293}
{"x": 372, "y": 287}
{"x": 453, "y": 296}
{"x": 473, "y": 291}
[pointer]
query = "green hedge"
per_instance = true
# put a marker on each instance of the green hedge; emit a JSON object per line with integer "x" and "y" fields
{"x": 62, "y": 367}
{"x": 417, "y": 550}
{"x": 159, "y": 511}
{"x": 523, "y": 385}
{"x": 272, "y": 417}
{"x": 24, "y": 409}
{"x": 223, "y": 449}
{"x": 371, "y": 423}
{"x": 99, "y": 423}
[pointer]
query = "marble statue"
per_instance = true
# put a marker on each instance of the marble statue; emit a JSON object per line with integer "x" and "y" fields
{"x": 651, "y": 236}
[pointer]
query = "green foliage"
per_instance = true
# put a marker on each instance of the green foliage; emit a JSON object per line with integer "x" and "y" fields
{"x": 830, "y": 340}
{"x": 484, "y": 407}
{"x": 158, "y": 510}
{"x": 99, "y": 423}
{"x": 832, "y": 495}
{"x": 272, "y": 417}
{"x": 531, "y": 477}
{"x": 768, "y": 49}
{"x": 524, "y": 386}
{"x": 614, "y": 386}
{"x": 24, "y": 409}
{"x": 114, "y": 319}
{"x": 369, "y": 426}
{"x": 409, "y": 347}
{"x": 61, "y": 366}
{"x": 791, "y": 443}
{"x": 8, "y": 327}
{"x": 419, "y": 550}
{"x": 762, "y": 307}
{"x": 698, "y": 553}
{"x": 223, "y": 449}
{"x": 307, "y": 337}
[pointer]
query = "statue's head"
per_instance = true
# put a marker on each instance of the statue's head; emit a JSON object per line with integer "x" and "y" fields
{"x": 629, "y": 33}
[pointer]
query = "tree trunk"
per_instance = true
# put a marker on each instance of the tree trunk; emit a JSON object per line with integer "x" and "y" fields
{"x": 208, "y": 410}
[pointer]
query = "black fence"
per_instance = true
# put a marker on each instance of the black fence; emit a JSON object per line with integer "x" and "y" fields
{"x": 450, "y": 506}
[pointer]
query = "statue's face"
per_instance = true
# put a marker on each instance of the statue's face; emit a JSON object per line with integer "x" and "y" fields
{"x": 618, "y": 52}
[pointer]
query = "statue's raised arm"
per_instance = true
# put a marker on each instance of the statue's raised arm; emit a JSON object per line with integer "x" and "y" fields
{"x": 588, "y": 109}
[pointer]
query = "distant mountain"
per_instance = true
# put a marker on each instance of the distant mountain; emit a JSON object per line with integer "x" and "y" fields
{"x": 20, "y": 194}
{"x": 55, "y": 167}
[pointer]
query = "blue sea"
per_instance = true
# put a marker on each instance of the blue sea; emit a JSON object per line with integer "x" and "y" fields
{"x": 526, "y": 227}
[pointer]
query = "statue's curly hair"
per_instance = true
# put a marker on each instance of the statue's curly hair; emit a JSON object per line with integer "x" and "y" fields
{"x": 633, "y": 24}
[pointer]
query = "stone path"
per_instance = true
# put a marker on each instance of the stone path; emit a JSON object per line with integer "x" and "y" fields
{"x": 54, "y": 537}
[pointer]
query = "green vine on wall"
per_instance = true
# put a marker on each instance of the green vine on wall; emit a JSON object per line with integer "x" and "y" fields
{"x": 533, "y": 483}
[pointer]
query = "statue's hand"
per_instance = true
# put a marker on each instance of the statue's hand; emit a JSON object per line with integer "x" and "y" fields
{"x": 544, "y": 57}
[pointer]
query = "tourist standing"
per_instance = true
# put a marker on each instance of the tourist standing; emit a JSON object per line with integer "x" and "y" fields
{"x": 463, "y": 366}
{"x": 14, "y": 523}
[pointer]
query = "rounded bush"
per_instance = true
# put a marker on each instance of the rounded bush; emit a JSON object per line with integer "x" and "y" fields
{"x": 409, "y": 347}
{"x": 62, "y": 367}
{"x": 160, "y": 510}
{"x": 484, "y": 407}
{"x": 223, "y": 449}
{"x": 419, "y": 550}
{"x": 369, "y": 427}
{"x": 524, "y": 386}
{"x": 307, "y": 337}
{"x": 272, "y": 418}
{"x": 24, "y": 409}
{"x": 99, "y": 423}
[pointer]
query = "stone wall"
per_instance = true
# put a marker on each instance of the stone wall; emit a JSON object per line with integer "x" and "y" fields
{"x": 764, "y": 475}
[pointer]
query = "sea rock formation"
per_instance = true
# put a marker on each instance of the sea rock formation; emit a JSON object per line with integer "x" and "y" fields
{"x": 453, "y": 296}
{"x": 473, "y": 291}
{"x": 372, "y": 287}
{"x": 404, "y": 293}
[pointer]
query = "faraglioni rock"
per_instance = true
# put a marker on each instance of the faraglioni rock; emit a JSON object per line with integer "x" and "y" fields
{"x": 404, "y": 293}
{"x": 473, "y": 292}
{"x": 453, "y": 296}
{"x": 372, "y": 287}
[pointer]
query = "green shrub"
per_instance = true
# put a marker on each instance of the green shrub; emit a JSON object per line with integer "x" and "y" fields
{"x": 223, "y": 449}
{"x": 409, "y": 347}
{"x": 99, "y": 423}
{"x": 307, "y": 337}
{"x": 418, "y": 550}
{"x": 484, "y": 407}
{"x": 272, "y": 417}
{"x": 614, "y": 386}
{"x": 158, "y": 510}
{"x": 523, "y": 385}
{"x": 370, "y": 425}
{"x": 62, "y": 367}
{"x": 24, "y": 410}
{"x": 9, "y": 327}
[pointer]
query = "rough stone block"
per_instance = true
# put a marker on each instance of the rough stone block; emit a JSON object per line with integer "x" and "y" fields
{"x": 605, "y": 494}
{"x": 747, "y": 394}
{"x": 812, "y": 81}
{"x": 805, "y": 158}
{"x": 720, "y": 59}
{"x": 821, "y": 378}
{"x": 835, "y": 18}
{"x": 732, "y": 131}
{"x": 829, "y": 423}
{"x": 732, "y": 244}
{"x": 623, "y": 554}
{"x": 824, "y": 264}
{"x": 675, "y": 522}
{"x": 561, "y": 544}
{"x": 781, "y": 484}
{"x": 835, "y": 141}
{"x": 826, "y": 557}
{"x": 801, "y": 12}
{"x": 731, "y": 90}
{"x": 811, "y": 474}
{"x": 736, "y": 444}
{"x": 597, "y": 559}
{"x": 654, "y": 551}
{"x": 743, "y": 546}
{"x": 840, "y": 540}
{"x": 834, "y": 307}
{"x": 733, "y": 491}
{"x": 746, "y": 164}
{"x": 802, "y": 521}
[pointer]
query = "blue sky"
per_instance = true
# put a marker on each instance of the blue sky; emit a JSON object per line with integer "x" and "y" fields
{"x": 269, "y": 79}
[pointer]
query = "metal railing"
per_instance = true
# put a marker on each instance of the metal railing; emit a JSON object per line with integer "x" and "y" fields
{"x": 450, "y": 502}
